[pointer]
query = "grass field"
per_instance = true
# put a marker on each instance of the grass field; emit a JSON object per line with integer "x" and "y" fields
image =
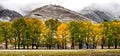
{"x": 82, "y": 52}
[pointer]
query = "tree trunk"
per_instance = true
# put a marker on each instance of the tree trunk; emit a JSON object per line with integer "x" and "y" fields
{"x": 102, "y": 46}
{"x": 15, "y": 46}
{"x": 32, "y": 43}
{"x": 80, "y": 45}
{"x": 115, "y": 43}
{"x": 47, "y": 46}
{"x": 72, "y": 45}
{"x": 58, "y": 46}
{"x": 93, "y": 43}
{"x": 108, "y": 45}
{"x": 23, "y": 46}
{"x": 37, "y": 46}
{"x": 103, "y": 42}
{"x": 6, "y": 44}
{"x": 50, "y": 46}
{"x": 87, "y": 45}
{"x": 62, "y": 45}
{"x": 23, "y": 43}
{"x": 18, "y": 41}
{"x": 65, "y": 45}
{"x": 27, "y": 44}
{"x": 15, "y": 43}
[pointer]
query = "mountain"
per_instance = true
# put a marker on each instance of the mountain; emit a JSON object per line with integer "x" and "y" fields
{"x": 97, "y": 15}
{"x": 100, "y": 13}
{"x": 8, "y": 15}
{"x": 56, "y": 12}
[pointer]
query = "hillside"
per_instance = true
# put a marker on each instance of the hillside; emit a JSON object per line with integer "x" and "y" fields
{"x": 8, "y": 15}
{"x": 56, "y": 12}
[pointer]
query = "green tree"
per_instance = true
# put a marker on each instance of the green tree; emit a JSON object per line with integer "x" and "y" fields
{"x": 82, "y": 34}
{"x": 52, "y": 24}
{"x": 6, "y": 32}
{"x": 107, "y": 34}
{"x": 19, "y": 26}
{"x": 35, "y": 29}
{"x": 74, "y": 32}
{"x": 115, "y": 26}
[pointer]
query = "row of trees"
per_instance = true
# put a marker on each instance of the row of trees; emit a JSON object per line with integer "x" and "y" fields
{"x": 31, "y": 32}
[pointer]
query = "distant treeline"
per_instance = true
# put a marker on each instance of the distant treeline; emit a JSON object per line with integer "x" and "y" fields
{"x": 32, "y": 33}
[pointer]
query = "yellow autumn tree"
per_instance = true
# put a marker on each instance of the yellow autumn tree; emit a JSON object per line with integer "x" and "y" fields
{"x": 62, "y": 33}
{"x": 96, "y": 34}
{"x": 88, "y": 29}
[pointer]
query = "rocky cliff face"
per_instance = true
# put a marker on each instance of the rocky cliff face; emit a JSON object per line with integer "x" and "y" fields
{"x": 56, "y": 12}
{"x": 8, "y": 15}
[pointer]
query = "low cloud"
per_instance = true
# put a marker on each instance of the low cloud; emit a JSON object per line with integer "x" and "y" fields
{"x": 27, "y": 5}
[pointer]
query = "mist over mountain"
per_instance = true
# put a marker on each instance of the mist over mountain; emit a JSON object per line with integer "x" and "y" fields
{"x": 28, "y": 5}
{"x": 92, "y": 10}
{"x": 1, "y": 8}
{"x": 100, "y": 13}
{"x": 8, "y": 15}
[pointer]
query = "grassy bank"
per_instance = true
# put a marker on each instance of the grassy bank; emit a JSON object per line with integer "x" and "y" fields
{"x": 91, "y": 52}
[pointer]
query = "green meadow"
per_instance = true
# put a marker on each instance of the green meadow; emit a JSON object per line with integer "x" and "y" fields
{"x": 82, "y": 52}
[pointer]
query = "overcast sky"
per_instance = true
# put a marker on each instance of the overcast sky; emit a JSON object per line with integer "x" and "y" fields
{"x": 76, "y": 5}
